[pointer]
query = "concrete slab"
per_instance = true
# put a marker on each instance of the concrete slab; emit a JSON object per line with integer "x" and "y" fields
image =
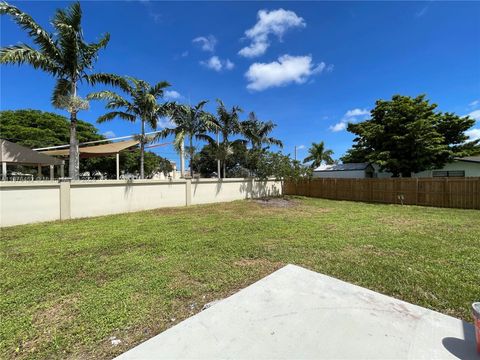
{"x": 295, "y": 313}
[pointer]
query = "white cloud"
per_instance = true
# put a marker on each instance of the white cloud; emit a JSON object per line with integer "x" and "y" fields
{"x": 207, "y": 43}
{"x": 109, "y": 134}
{"x": 474, "y": 103}
{"x": 288, "y": 69}
{"x": 475, "y": 115}
{"x": 172, "y": 95}
{"x": 300, "y": 147}
{"x": 275, "y": 22}
{"x": 165, "y": 122}
{"x": 217, "y": 64}
{"x": 351, "y": 116}
{"x": 473, "y": 134}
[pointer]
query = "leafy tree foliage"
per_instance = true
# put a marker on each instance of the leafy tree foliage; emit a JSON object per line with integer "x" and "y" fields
{"x": 205, "y": 161}
{"x": 191, "y": 122}
{"x": 406, "y": 135}
{"x": 65, "y": 55}
{"x": 318, "y": 154}
{"x": 34, "y": 129}
{"x": 142, "y": 105}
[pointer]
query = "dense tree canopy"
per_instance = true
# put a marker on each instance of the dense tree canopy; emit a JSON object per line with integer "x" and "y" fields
{"x": 406, "y": 135}
{"x": 34, "y": 128}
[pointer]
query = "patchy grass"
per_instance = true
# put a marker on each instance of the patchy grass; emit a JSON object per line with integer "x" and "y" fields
{"x": 67, "y": 287}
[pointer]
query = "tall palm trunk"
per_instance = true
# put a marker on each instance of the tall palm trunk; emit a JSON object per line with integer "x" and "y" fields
{"x": 191, "y": 155}
{"x": 74, "y": 161}
{"x": 142, "y": 151}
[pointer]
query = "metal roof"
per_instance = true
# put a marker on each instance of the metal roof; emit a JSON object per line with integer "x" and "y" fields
{"x": 475, "y": 158}
{"x": 342, "y": 167}
{"x": 18, "y": 154}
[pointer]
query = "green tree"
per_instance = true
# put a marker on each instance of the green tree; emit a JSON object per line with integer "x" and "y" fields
{"x": 191, "y": 122}
{"x": 257, "y": 132}
{"x": 228, "y": 124}
{"x": 65, "y": 55}
{"x": 36, "y": 129}
{"x": 205, "y": 161}
{"x": 317, "y": 154}
{"x": 406, "y": 135}
{"x": 143, "y": 105}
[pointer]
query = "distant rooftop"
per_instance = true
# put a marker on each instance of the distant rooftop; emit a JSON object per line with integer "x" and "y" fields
{"x": 474, "y": 158}
{"x": 343, "y": 167}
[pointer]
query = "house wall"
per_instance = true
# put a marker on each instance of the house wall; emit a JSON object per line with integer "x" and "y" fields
{"x": 471, "y": 169}
{"x": 345, "y": 174}
{"x": 30, "y": 202}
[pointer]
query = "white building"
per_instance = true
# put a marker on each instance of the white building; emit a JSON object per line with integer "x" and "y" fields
{"x": 461, "y": 167}
{"x": 347, "y": 171}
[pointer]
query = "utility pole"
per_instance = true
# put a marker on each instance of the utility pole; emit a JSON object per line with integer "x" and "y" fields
{"x": 295, "y": 152}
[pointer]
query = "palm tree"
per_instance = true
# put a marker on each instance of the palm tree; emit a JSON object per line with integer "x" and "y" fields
{"x": 65, "y": 55}
{"x": 257, "y": 132}
{"x": 190, "y": 122}
{"x": 227, "y": 123}
{"x": 317, "y": 153}
{"x": 143, "y": 105}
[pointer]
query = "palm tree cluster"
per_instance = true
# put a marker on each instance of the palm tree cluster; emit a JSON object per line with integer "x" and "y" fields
{"x": 66, "y": 56}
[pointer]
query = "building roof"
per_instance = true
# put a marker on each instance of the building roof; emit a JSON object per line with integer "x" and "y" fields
{"x": 18, "y": 154}
{"x": 474, "y": 158}
{"x": 342, "y": 167}
{"x": 97, "y": 150}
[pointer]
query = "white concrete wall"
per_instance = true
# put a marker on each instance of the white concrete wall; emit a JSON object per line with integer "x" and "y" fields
{"x": 210, "y": 190}
{"x": 25, "y": 203}
{"x": 114, "y": 197}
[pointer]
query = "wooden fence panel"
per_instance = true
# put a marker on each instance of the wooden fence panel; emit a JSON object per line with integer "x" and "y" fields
{"x": 461, "y": 193}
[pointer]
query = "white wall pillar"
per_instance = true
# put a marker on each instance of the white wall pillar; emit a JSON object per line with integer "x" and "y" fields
{"x": 52, "y": 173}
{"x": 4, "y": 171}
{"x": 65, "y": 199}
{"x": 188, "y": 192}
{"x": 118, "y": 165}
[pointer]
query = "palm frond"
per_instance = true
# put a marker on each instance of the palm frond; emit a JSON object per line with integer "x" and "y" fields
{"x": 35, "y": 31}
{"x": 61, "y": 90}
{"x": 20, "y": 54}
{"x": 111, "y": 80}
{"x": 113, "y": 114}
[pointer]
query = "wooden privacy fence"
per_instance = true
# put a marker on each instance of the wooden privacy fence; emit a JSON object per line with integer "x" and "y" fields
{"x": 461, "y": 193}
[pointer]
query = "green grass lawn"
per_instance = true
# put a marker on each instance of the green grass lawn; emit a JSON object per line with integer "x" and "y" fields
{"x": 67, "y": 287}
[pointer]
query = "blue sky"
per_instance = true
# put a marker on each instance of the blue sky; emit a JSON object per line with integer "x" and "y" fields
{"x": 308, "y": 66}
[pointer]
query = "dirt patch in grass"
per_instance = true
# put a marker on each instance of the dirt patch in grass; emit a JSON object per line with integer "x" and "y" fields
{"x": 277, "y": 202}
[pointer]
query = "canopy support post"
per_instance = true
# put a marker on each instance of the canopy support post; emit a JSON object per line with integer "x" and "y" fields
{"x": 51, "y": 172}
{"x": 4, "y": 171}
{"x": 39, "y": 171}
{"x": 62, "y": 169}
{"x": 118, "y": 165}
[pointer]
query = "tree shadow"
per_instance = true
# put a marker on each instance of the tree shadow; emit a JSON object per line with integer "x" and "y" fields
{"x": 464, "y": 349}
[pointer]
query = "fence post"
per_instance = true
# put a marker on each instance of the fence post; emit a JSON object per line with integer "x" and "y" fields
{"x": 446, "y": 194}
{"x": 416, "y": 191}
{"x": 65, "y": 206}
{"x": 188, "y": 192}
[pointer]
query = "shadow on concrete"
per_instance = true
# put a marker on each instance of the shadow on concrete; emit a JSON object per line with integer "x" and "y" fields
{"x": 464, "y": 349}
